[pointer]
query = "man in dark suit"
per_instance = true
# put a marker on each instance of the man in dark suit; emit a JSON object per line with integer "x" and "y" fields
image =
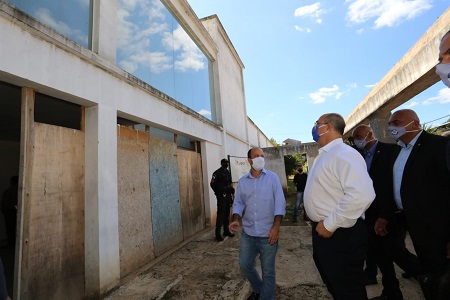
{"x": 383, "y": 242}
{"x": 422, "y": 193}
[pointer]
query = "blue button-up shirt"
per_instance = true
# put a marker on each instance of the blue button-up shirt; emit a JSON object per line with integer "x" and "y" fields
{"x": 368, "y": 155}
{"x": 399, "y": 167}
{"x": 259, "y": 200}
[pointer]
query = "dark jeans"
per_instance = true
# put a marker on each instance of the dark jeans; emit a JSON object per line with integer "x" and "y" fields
{"x": 340, "y": 261}
{"x": 223, "y": 211}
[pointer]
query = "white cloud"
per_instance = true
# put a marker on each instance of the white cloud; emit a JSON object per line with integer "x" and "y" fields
{"x": 442, "y": 97}
{"x": 190, "y": 57}
{"x": 312, "y": 11}
{"x": 298, "y": 28}
{"x": 134, "y": 40}
{"x": 44, "y": 15}
{"x": 323, "y": 93}
{"x": 412, "y": 104}
{"x": 369, "y": 86}
{"x": 360, "y": 31}
{"x": 204, "y": 112}
{"x": 387, "y": 12}
{"x": 352, "y": 85}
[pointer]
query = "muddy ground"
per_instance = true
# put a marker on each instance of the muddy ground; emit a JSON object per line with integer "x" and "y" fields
{"x": 202, "y": 268}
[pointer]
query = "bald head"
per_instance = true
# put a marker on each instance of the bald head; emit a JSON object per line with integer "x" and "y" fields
{"x": 408, "y": 119}
{"x": 405, "y": 114}
{"x": 361, "y": 130}
{"x": 363, "y": 137}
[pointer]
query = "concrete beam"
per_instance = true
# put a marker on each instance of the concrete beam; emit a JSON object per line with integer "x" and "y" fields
{"x": 413, "y": 74}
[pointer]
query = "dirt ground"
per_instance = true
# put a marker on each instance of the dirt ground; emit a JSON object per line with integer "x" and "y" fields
{"x": 202, "y": 268}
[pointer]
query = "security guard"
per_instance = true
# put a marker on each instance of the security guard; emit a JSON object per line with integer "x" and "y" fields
{"x": 221, "y": 185}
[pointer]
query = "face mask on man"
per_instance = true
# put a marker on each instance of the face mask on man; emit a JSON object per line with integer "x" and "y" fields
{"x": 258, "y": 163}
{"x": 315, "y": 135}
{"x": 398, "y": 131}
{"x": 361, "y": 144}
{"x": 443, "y": 70}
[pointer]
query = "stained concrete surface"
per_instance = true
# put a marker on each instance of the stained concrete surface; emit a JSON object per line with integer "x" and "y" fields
{"x": 205, "y": 269}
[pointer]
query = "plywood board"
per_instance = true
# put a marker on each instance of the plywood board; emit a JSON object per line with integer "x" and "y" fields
{"x": 135, "y": 217}
{"x": 191, "y": 192}
{"x": 56, "y": 224}
{"x": 166, "y": 211}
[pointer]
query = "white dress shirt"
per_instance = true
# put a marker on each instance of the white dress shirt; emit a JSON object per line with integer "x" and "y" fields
{"x": 339, "y": 188}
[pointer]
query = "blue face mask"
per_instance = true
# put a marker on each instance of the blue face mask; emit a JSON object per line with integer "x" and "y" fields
{"x": 315, "y": 135}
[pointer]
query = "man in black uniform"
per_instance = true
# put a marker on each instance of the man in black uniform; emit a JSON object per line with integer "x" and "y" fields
{"x": 221, "y": 185}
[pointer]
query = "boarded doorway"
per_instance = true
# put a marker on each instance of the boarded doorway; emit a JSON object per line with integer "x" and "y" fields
{"x": 164, "y": 187}
{"x": 135, "y": 216}
{"x": 191, "y": 192}
{"x": 54, "y": 254}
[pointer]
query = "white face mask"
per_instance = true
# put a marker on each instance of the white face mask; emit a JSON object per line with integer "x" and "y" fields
{"x": 443, "y": 70}
{"x": 397, "y": 132}
{"x": 258, "y": 163}
{"x": 361, "y": 144}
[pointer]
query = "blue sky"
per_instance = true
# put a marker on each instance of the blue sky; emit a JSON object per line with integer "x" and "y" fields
{"x": 306, "y": 58}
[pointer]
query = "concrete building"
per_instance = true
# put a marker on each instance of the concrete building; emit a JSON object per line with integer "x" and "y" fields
{"x": 114, "y": 114}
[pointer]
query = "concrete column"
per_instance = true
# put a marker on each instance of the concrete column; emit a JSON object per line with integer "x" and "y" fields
{"x": 104, "y": 29}
{"x": 379, "y": 124}
{"x": 102, "y": 261}
{"x": 210, "y": 157}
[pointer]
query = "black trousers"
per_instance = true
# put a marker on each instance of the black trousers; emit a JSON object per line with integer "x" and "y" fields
{"x": 383, "y": 259}
{"x": 223, "y": 211}
{"x": 340, "y": 261}
{"x": 394, "y": 243}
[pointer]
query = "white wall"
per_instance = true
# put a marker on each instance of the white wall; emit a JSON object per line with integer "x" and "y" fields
{"x": 38, "y": 57}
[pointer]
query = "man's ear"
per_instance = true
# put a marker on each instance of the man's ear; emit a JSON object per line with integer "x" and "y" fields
{"x": 250, "y": 161}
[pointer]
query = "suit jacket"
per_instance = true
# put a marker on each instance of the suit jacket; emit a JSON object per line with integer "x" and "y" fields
{"x": 381, "y": 173}
{"x": 425, "y": 192}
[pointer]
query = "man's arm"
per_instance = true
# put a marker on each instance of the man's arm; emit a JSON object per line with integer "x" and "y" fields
{"x": 275, "y": 230}
{"x": 234, "y": 225}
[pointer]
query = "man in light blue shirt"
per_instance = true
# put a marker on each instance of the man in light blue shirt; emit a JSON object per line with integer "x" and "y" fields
{"x": 260, "y": 201}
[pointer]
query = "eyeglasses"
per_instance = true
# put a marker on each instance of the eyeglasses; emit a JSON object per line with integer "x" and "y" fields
{"x": 317, "y": 123}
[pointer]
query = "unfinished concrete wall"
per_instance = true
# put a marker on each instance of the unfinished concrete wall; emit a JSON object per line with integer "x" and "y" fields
{"x": 191, "y": 192}
{"x": 274, "y": 157}
{"x": 55, "y": 258}
{"x": 135, "y": 216}
{"x": 165, "y": 196}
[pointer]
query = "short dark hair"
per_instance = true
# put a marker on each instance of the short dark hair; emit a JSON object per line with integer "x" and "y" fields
{"x": 224, "y": 161}
{"x": 249, "y": 153}
{"x": 337, "y": 120}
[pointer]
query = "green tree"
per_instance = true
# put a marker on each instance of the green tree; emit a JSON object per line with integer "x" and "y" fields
{"x": 274, "y": 143}
{"x": 291, "y": 163}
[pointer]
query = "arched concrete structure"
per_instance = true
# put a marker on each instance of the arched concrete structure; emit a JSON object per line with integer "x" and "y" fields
{"x": 413, "y": 74}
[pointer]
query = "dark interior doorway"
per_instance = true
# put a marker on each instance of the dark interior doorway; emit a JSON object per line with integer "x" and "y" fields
{"x": 10, "y": 102}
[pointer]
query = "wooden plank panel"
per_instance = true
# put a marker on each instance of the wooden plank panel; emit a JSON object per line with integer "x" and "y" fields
{"x": 166, "y": 211}
{"x": 56, "y": 227}
{"x": 135, "y": 216}
{"x": 191, "y": 192}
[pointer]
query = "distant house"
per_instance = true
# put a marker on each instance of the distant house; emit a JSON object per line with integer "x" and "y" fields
{"x": 291, "y": 142}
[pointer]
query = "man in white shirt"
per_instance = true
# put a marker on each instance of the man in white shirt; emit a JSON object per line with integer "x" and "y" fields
{"x": 337, "y": 193}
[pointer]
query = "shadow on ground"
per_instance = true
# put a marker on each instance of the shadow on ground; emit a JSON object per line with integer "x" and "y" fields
{"x": 205, "y": 269}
